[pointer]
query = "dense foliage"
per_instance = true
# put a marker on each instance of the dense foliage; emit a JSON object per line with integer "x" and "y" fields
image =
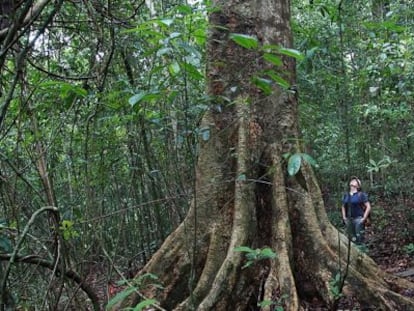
{"x": 100, "y": 103}
{"x": 356, "y": 91}
{"x": 101, "y": 108}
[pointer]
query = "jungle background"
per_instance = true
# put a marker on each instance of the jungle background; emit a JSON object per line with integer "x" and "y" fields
{"x": 99, "y": 117}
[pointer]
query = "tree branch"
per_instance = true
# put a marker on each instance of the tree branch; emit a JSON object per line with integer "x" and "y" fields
{"x": 17, "y": 247}
{"x": 28, "y": 15}
{"x": 21, "y": 58}
{"x": 60, "y": 77}
{"x": 36, "y": 260}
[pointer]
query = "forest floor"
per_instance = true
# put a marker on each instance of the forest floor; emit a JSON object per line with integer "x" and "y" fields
{"x": 390, "y": 237}
{"x": 390, "y": 243}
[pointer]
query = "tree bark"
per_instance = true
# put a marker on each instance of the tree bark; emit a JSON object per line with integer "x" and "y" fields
{"x": 244, "y": 196}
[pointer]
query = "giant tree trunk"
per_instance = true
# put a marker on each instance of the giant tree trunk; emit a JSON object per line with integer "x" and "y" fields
{"x": 244, "y": 196}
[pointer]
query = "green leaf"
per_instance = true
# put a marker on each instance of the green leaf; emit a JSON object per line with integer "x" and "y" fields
{"x": 267, "y": 253}
{"x": 286, "y": 155}
{"x": 270, "y": 47}
{"x": 264, "y": 84}
{"x": 245, "y": 249}
{"x": 136, "y": 98}
{"x": 148, "y": 96}
{"x": 272, "y": 58}
{"x": 143, "y": 304}
{"x": 192, "y": 71}
{"x": 152, "y": 96}
{"x": 174, "y": 68}
{"x": 164, "y": 51}
{"x": 311, "y": 53}
{"x": 310, "y": 160}
{"x": 338, "y": 277}
{"x": 294, "y": 164}
{"x": 185, "y": 9}
{"x": 246, "y": 41}
{"x": 174, "y": 35}
{"x": 292, "y": 53}
{"x": 167, "y": 21}
{"x": 200, "y": 36}
{"x": 278, "y": 79}
{"x": 5, "y": 244}
{"x": 146, "y": 276}
{"x": 120, "y": 296}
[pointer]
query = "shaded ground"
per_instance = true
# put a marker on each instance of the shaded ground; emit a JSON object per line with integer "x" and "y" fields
{"x": 390, "y": 238}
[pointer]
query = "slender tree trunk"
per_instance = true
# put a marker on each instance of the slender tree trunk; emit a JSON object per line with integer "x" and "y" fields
{"x": 244, "y": 196}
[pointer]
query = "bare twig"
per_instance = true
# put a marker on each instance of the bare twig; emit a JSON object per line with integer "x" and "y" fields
{"x": 17, "y": 247}
{"x": 36, "y": 260}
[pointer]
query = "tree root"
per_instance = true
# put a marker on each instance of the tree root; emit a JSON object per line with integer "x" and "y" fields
{"x": 310, "y": 253}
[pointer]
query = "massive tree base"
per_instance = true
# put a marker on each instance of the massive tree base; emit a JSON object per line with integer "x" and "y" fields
{"x": 200, "y": 269}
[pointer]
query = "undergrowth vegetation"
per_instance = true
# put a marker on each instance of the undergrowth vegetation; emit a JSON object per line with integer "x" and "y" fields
{"x": 99, "y": 117}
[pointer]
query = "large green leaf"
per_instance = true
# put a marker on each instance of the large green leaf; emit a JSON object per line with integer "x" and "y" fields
{"x": 192, "y": 71}
{"x": 141, "y": 96}
{"x": 246, "y": 41}
{"x": 120, "y": 296}
{"x": 277, "y": 78}
{"x": 264, "y": 84}
{"x": 136, "y": 98}
{"x": 272, "y": 58}
{"x": 294, "y": 164}
{"x": 267, "y": 253}
{"x": 243, "y": 249}
{"x": 200, "y": 36}
{"x": 174, "y": 68}
{"x": 292, "y": 53}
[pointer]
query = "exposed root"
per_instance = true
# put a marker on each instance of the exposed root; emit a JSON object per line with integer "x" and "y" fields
{"x": 280, "y": 281}
{"x": 242, "y": 216}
